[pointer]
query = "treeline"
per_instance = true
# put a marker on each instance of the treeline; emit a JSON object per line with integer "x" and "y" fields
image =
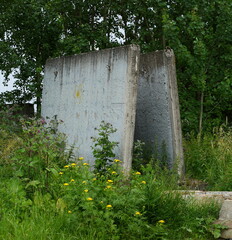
{"x": 199, "y": 31}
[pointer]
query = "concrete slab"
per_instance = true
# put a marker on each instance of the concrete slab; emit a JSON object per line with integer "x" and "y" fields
{"x": 158, "y": 116}
{"x": 85, "y": 89}
{"x": 226, "y": 211}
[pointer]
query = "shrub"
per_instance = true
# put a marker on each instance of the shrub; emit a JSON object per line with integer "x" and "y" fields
{"x": 210, "y": 159}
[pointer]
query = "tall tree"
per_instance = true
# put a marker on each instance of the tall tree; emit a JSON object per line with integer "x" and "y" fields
{"x": 29, "y": 35}
{"x": 199, "y": 31}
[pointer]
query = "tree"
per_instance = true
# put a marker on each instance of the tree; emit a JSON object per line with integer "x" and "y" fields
{"x": 199, "y": 31}
{"x": 29, "y": 35}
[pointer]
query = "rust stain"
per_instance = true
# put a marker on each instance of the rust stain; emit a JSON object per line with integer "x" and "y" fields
{"x": 78, "y": 91}
{"x": 78, "y": 94}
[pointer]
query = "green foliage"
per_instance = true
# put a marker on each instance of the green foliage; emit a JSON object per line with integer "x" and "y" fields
{"x": 210, "y": 159}
{"x": 35, "y": 154}
{"x": 103, "y": 148}
{"x": 43, "y": 196}
{"x": 198, "y": 31}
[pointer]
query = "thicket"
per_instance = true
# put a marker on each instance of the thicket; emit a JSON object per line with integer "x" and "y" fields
{"x": 47, "y": 193}
{"x": 209, "y": 159}
{"x": 199, "y": 31}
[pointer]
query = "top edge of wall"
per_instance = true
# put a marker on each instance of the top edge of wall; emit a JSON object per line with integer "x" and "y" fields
{"x": 128, "y": 47}
{"x": 168, "y": 52}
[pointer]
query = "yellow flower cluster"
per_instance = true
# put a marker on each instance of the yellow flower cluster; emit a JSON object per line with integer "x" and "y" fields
{"x": 113, "y": 172}
{"x": 73, "y": 164}
{"x": 86, "y": 190}
{"x": 108, "y": 206}
{"x": 89, "y": 199}
{"x": 117, "y": 160}
{"x": 81, "y": 158}
{"x": 66, "y": 184}
{"x": 72, "y": 180}
{"x": 138, "y": 173}
{"x": 109, "y": 181}
{"x": 66, "y": 166}
{"x": 161, "y": 221}
{"x": 85, "y": 164}
{"x": 143, "y": 182}
{"x": 138, "y": 213}
{"x": 61, "y": 173}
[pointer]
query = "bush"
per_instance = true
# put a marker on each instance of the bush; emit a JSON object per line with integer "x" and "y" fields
{"x": 46, "y": 195}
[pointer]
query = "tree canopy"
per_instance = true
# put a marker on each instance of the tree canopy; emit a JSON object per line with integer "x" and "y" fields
{"x": 199, "y": 31}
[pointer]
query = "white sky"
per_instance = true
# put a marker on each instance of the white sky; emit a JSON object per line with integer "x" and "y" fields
{"x": 2, "y": 87}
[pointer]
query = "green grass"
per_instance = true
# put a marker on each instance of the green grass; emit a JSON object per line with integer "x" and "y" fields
{"x": 46, "y": 193}
{"x": 209, "y": 159}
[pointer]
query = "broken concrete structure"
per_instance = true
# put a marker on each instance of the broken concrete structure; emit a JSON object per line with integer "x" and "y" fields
{"x": 85, "y": 89}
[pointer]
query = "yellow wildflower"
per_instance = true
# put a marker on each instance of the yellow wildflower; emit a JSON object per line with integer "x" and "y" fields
{"x": 86, "y": 190}
{"x": 89, "y": 199}
{"x": 85, "y": 164}
{"x": 66, "y": 184}
{"x": 81, "y": 158}
{"x": 61, "y": 173}
{"x": 84, "y": 182}
{"x": 94, "y": 179}
{"x": 72, "y": 180}
{"x": 73, "y": 164}
{"x": 113, "y": 172}
{"x": 138, "y": 213}
{"x": 69, "y": 211}
{"x": 144, "y": 182}
{"x": 161, "y": 221}
{"x": 110, "y": 181}
{"x": 108, "y": 206}
{"x": 117, "y": 160}
{"x": 101, "y": 202}
{"x": 138, "y": 173}
{"x": 66, "y": 166}
{"x": 108, "y": 186}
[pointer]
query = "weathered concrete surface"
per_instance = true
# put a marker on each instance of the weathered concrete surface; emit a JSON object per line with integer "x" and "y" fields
{"x": 205, "y": 195}
{"x": 158, "y": 117}
{"x": 85, "y": 89}
{"x": 225, "y": 218}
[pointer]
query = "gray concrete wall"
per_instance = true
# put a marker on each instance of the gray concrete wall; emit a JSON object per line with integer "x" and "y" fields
{"x": 83, "y": 90}
{"x": 158, "y": 116}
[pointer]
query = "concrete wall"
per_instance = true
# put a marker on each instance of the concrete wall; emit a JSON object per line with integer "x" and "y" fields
{"x": 84, "y": 89}
{"x": 157, "y": 116}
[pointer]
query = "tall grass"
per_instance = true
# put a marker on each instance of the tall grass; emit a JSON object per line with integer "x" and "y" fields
{"x": 209, "y": 158}
{"x": 46, "y": 194}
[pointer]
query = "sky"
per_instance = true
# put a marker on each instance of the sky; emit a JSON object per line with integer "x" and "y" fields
{"x": 2, "y": 87}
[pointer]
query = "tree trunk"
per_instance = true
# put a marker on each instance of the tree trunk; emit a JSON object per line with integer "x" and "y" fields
{"x": 201, "y": 113}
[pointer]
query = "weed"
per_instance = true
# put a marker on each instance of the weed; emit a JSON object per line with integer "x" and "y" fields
{"x": 103, "y": 148}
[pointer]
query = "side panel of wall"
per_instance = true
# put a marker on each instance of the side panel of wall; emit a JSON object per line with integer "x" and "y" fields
{"x": 83, "y": 90}
{"x": 157, "y": 116}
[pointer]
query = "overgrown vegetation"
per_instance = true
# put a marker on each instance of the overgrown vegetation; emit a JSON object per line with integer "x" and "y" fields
{"x": 209, "y": 158}
{"x": 46, "y": 193}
